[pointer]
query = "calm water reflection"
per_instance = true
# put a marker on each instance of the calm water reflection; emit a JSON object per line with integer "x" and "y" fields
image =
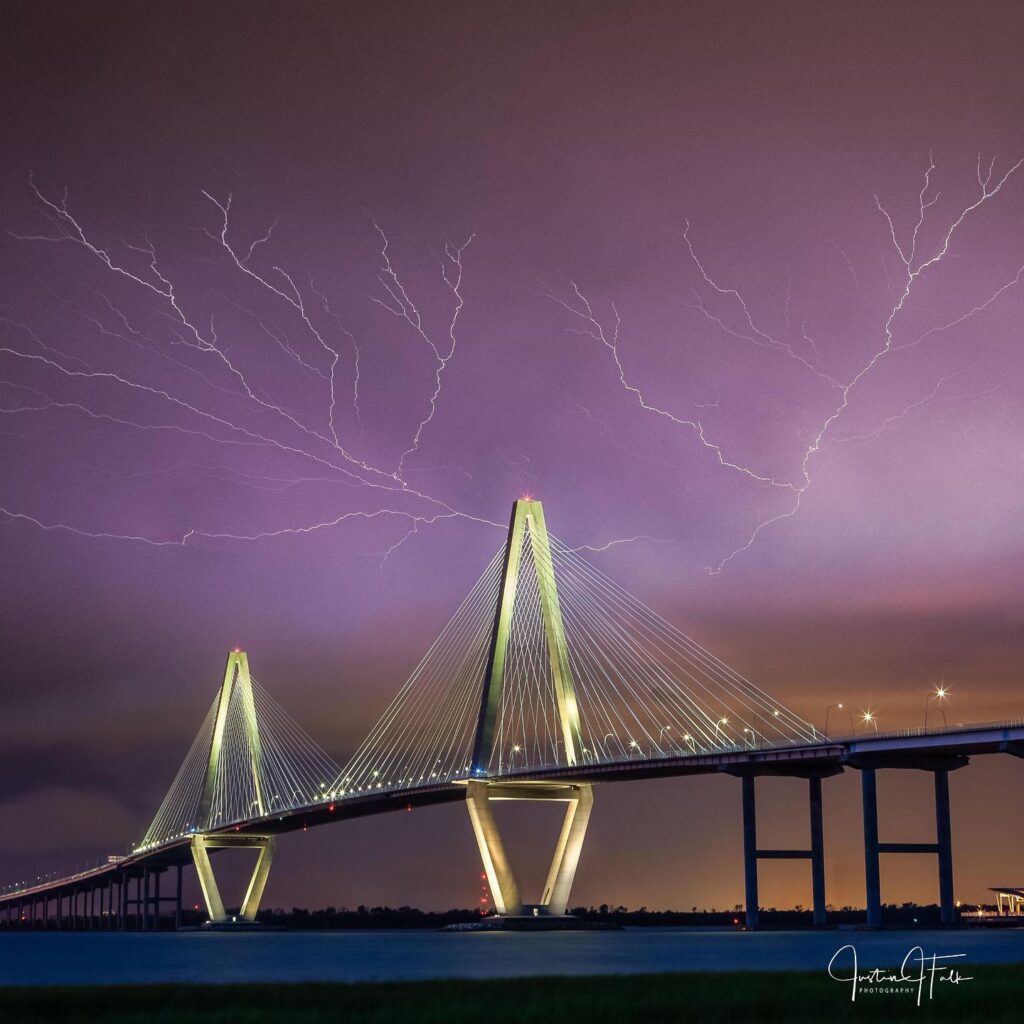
{"x": 83, "y": 958}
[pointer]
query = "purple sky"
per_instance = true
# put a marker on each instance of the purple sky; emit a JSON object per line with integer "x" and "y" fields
{"x": 742, "y": 187}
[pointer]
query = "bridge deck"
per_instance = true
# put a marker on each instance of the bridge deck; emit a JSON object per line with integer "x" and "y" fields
{"x": 906, "y": 749}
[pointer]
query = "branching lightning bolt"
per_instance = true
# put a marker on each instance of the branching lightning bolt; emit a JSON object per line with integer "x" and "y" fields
{"x": 399, "y": 304}
{"x": 750, "y": 331}
{"x": 582, "y": 310}
{"x": 335, "y": 456}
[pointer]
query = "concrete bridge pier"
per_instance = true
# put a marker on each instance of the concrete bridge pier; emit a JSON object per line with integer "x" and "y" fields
{"x": 122, "y": 899}
{"x": 155, "y": 914}
{"x": 201, "y": 847}
{"x": 940, "y": 766}
{"x": 944, "y": 839}
{"x": 752, "y": 854}
{"x": 177, "y": 902}
{"x": 500, "y": 877}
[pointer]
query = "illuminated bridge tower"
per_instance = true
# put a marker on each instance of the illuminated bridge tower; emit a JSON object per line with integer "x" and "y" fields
{"x": 248, "y": 768}
{"x": 528, "y": 534}
{"x": 237, "y": 687}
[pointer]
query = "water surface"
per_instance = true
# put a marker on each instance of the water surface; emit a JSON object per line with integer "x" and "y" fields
{"x": 52, "y": 958}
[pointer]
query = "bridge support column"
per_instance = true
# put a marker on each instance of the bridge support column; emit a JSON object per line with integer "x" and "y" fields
{"x": 940, "y": 766}
{"x": 156, "y": 899}
{"x": 817, "y": 851}
{"x": 500, "y": 877}
{"x": 944, "y": 841}
{"x": 872, "y": 877}
{"x": 201, "y": 847}
{"x": 750, "y": 851}
{"x": 177, "y": 903}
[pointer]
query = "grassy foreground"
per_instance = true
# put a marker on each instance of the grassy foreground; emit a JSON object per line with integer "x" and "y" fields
{"x": 994, "y": 996}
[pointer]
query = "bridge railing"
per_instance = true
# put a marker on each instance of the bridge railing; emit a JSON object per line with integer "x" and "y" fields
{"x": 931, "y": 730}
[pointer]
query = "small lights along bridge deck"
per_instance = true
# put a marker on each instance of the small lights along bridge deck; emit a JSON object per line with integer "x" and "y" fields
{"x": 548, "y": 678}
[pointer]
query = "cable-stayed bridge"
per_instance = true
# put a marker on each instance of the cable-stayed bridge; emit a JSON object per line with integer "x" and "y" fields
{"x": 548, "y": 678}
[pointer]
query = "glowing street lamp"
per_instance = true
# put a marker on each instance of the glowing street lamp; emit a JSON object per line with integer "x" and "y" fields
{"x": 722, "y": 721}
{"x": 938, "y": 694}
{"x": 831, "y": 707}
{"x": 869, "y": 716}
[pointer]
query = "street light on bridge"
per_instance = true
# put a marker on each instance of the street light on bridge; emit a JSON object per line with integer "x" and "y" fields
{"x": 938, "y": 694}
{"x": 828, "y": 710}
{"x": 869, "y": 716}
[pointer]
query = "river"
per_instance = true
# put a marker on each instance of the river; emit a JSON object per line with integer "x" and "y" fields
{"x": 52, "y": 958}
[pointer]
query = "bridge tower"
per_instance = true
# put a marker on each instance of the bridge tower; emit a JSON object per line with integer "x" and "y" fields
{"x": 237, "y": 684}
{"x": 528, "y": 527}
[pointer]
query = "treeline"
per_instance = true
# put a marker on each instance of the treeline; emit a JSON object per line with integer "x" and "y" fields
{"x": 907, "y": 914}
{"x": 365, "y": 917}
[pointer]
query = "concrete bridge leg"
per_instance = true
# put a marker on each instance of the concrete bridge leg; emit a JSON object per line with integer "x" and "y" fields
{"x": 177, "y": 903}
{"x": 872, "y": 878}
{"x": 750, "y": 852}
{"x": 567, "y": 853}
{"x": 817, "y": 851}
{"x": 944, "y": 841}
{"x": 156, "y": 899}
{"x": 500, "y": 877}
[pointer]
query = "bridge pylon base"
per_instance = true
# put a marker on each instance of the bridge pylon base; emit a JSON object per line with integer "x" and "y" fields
{"x": 500, "y": 877}
{"x": 201, "y": 847}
